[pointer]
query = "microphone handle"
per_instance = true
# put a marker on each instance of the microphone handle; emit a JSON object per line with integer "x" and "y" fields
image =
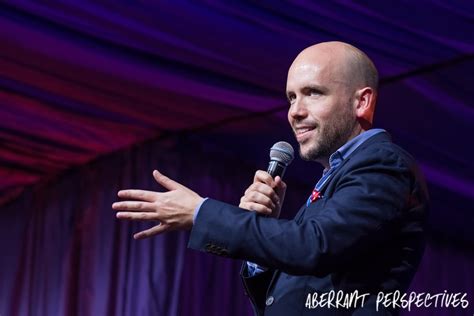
{"x": 276, "y": 168}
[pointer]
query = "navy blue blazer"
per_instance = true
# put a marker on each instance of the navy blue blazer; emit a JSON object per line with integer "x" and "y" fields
{"x": 365, "y": 234}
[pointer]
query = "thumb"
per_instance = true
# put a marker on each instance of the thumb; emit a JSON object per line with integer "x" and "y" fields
{"x": 165, "y": 181}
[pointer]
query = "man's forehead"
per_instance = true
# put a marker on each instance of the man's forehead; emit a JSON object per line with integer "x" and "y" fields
{"x": 309, "y": 73}
{"x": 303, "y": 73}
{"x": 305, "y": 69}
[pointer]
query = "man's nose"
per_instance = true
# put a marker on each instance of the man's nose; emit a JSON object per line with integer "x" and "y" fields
{"x": 297, "y": 109}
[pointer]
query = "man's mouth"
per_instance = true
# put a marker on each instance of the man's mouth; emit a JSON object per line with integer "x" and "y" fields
{"x": 303, "y": 132}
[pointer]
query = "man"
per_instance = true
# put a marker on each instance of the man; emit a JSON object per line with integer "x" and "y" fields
{"x": 360, "y": 232}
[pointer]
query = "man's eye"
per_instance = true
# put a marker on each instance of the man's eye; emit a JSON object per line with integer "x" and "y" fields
{"x": 291, "y": 98}
{"x": 314, "y": 92}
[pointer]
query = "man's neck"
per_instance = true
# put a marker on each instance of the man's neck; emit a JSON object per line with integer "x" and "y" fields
{"x": 324, "y": 161}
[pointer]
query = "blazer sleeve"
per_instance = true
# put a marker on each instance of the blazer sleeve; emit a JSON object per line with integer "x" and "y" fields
{"x": 368, "y": 199}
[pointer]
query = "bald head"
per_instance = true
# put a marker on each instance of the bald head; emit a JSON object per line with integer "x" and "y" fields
{"x": 347, "y": 64}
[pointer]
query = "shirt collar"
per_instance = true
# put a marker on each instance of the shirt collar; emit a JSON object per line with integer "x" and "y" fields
{"x": 348, "y": 148}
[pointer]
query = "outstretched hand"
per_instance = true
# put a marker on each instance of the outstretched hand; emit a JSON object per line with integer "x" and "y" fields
{"x": 173, "y": 209}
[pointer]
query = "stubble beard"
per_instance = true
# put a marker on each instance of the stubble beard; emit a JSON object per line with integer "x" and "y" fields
{"x": 332, "y": 136}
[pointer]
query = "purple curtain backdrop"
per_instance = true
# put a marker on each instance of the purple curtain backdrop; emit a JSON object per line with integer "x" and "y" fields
{"x": 64, "y": 253}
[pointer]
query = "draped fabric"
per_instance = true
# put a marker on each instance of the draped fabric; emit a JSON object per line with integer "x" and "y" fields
{"x": 64, "y": 253}
{"x": 94, "y": 95}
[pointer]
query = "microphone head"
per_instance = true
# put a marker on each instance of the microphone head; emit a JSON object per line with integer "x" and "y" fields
{"x": 282, "y": 152}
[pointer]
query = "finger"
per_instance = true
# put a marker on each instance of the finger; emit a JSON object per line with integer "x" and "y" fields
{"x": 263, "y": 177}
{"x": 138, "y": 216}
{"x": 133, "y": 206}
{"x": 166, "y": 182}
{"x": 280, "y": 186}
{"x": 263, "y": 189}
{"x": 260, "y": 198}
{"x": 242, "y": 202}
{"x": 279, "y": 181}
{"x": 155, "y": 230}
{"x": 261, "y": 209}
{"x": 246, "y": 198}
{"x": 143, "y": 195}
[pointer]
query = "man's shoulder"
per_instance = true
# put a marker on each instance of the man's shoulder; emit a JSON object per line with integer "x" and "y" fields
{"x": 379, "y": 161}
{"x": 380, "y": 147}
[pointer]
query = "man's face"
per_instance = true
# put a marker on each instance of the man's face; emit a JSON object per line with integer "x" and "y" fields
{"x": 321, "y": 112}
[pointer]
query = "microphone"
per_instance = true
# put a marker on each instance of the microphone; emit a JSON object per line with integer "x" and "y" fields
{"x": 281, "y": 155}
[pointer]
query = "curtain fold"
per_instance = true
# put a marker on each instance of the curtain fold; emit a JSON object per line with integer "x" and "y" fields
{"x": 64, "y": 253}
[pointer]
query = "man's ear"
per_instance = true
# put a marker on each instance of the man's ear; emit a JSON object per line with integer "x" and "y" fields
{"x": 364, "y": 106}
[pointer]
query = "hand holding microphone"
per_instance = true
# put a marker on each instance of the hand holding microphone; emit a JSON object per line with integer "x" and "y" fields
{"x": 267, "y": 192}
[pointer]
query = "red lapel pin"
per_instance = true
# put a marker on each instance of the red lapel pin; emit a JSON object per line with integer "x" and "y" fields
{"x": 315, "y": 195}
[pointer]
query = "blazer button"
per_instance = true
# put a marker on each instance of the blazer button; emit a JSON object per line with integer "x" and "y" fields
{"x": 269, "y": 301}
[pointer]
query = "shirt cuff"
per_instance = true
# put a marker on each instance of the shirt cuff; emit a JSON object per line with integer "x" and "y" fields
{"x": 196, "y": 210}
